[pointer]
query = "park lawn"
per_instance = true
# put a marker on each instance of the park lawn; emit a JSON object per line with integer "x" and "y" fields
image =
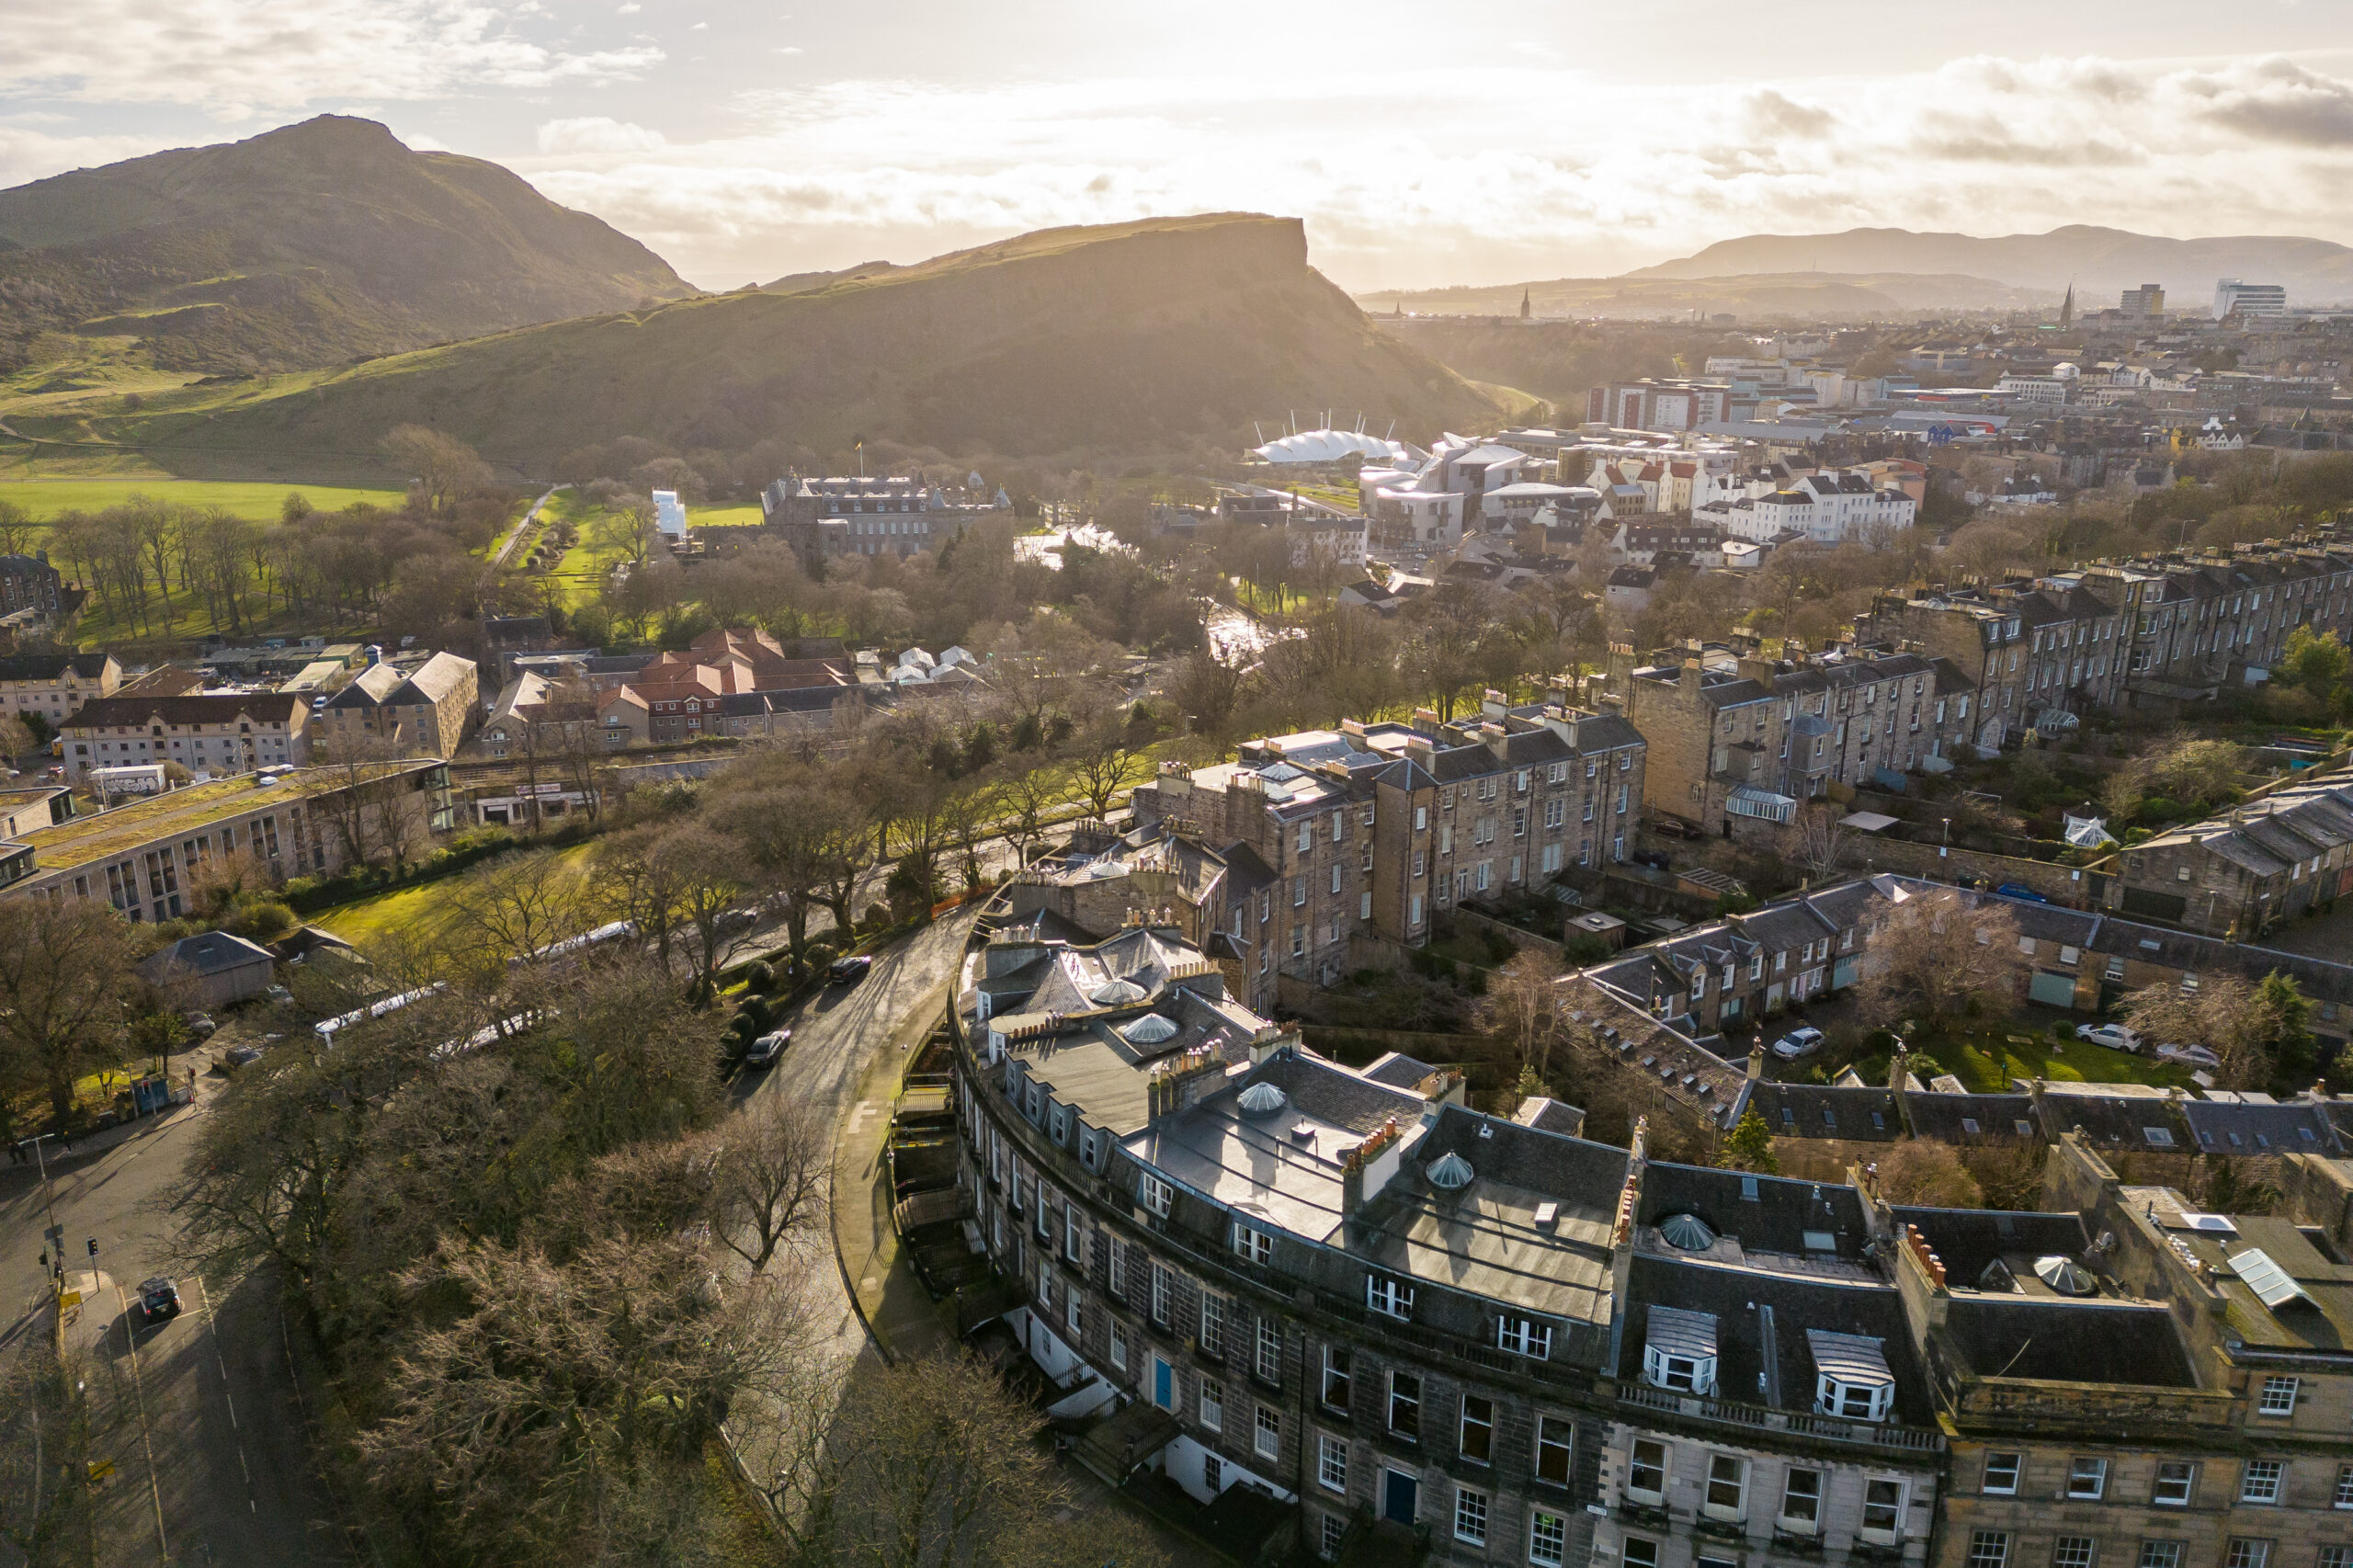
{"x": 736, "y": 516}
{"x": 1261, "y": 602}
{"x": 422, "y": 908}
{"x": 580, "y": 575}
{"x": 44, "y": 498}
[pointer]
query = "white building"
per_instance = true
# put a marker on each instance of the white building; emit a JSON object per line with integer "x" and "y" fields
{"x": 1825, "y": 508}
{"x": 2234, "y": 298}
{"x": 670, "y": 517}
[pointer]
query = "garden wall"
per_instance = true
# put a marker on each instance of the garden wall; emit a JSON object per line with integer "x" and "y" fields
{"x": 2076, "y": 887}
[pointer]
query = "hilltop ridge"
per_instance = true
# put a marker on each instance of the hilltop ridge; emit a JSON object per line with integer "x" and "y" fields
{"x": 1147, "y": 336}
{"x": 302, "y": 247}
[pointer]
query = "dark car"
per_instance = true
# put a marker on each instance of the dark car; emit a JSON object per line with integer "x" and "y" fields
{"x": 2020, "y": 890}
{"x": 734, "y": 920}
{"x": 159, "y": 1299}
{"x": 851, "y": 969}
{"x": 767, "y": 1048}
{"x": 239, "y": 1056}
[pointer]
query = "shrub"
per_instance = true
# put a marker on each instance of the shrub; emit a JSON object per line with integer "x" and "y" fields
{"x": 265, "y": 920}
{"x": 762, "y": 977}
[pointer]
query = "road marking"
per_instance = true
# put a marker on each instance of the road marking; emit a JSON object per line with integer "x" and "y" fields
{"x": 146, "y": 1441}
{"x": 212, "y": 1327}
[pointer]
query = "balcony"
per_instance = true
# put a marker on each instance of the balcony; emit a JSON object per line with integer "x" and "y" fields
{"x": 1758, "y": 1417}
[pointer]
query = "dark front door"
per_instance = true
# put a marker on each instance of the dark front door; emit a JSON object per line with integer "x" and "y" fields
{"x": 1399, "y": 1495}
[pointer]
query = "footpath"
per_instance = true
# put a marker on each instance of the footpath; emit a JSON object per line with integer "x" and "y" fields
{"x": 900, "y": 1317}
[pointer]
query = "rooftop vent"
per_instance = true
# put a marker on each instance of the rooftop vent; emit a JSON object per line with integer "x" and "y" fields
{"x": 1687, "y": 1233}
{"x": 1262, "y": 1100}
{"x": 1151, "y": 1029}
{"x": 1996, "y": 1278}
{"x": 2065, "y": 1276}
{"x": 1451, "y": 1171}
{"x": 1115, "y": 994}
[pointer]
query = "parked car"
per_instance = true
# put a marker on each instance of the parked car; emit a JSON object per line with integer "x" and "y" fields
{"x": 239, "y": 1056}
{"x": 734, "y": 920}
{"x": 2116, "y": 1037}
{"x": 2189, "y": 1055}
{"x": 2020, "y": 890}
{"x": 1804, "y": 1040}
{"x": 278, "y": 996}
{"x": 200, "y": 1025}
{"x": 767, "y": 1048}
{"x": 158, "y": 1299}
{"x": 851, "y": 969}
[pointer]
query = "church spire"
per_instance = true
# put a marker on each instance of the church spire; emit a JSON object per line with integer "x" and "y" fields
{"x": 1524, "y": 311}
{"x": 2067, "y": 307}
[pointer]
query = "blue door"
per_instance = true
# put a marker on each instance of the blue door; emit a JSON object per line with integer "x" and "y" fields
{"x": 1163, "y": 1380}
{"x": 1399, "y": 1494}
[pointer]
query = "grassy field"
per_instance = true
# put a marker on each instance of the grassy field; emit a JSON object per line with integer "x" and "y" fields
{"x": 734, "y": 517}
{"x": 581, "y": 574}
{"x": 44, "y": 498}
{"x": 419, "y": 910}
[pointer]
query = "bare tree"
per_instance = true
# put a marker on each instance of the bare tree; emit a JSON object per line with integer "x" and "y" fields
{"x": 771, "y": 1172}
{"x": 1927, "y": 1174}
{"x": 1523, "y": 1004}
{"x": 929, "y": 1464}
{"x": 520, "y": 905}
{"x": 1103, "y": 764}
{"x": 1815, "y": 838}
{"x": 1934, "y": 954}
{"x": 64, "y": 982}
{"x": 2256, "y": 1028}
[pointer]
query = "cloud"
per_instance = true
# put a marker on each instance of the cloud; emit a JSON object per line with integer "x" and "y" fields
{"x": 283, "y": 55}
{"x": 1771, "y": 114}
{"x": 631, "y": 9}
{"x": 2277, "y": 100}
{"x": 597, "y": 133}
{"x": 698, "y": 27}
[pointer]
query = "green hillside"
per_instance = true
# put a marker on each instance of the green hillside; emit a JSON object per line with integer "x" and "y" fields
{"x": 1151, "y": 336}
{"x": 309, "y": 246}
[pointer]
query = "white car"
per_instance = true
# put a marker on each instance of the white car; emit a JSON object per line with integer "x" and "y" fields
{"x": 2189, "y": 1055}
{"x": 1804, "y": 1040}
{"x": 2116, "y": 1037}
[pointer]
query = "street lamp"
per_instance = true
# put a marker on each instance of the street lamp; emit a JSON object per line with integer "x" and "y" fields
{"x": 56, "y": 1233}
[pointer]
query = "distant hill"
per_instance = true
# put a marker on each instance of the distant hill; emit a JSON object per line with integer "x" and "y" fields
{"x": 2101, "y": 262}
{"x": 306, "y": 246}
{"x": 801, "y": 282}
{"x": 1150, "y": 335}
{"x": 1807, "y": 296}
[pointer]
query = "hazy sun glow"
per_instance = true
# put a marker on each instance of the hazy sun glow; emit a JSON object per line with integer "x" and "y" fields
{"x": 1423, "y": 145}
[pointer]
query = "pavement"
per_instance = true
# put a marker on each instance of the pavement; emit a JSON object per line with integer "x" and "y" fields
{"x": 198, "y": 1423}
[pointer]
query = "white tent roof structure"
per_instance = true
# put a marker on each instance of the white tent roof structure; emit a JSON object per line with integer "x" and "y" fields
{"x": 1331, "y": 446}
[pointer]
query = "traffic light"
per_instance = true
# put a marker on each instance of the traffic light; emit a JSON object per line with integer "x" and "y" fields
{"x": 94, "y": 1246}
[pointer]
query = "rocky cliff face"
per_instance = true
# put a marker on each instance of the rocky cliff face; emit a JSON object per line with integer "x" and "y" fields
{"x": 1141, "y": 336}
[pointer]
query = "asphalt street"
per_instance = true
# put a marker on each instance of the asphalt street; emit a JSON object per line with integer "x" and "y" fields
{"x": 198, "y": 1415}
{"x": 835, "y": 1038}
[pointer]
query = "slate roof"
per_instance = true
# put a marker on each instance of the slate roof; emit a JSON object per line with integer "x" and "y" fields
{"x": 52, "y": 667}
{"x": 1966, "y": 1240}
{"x": 1973, "y": 1119}
{"x": 1745, "y": 1369}
{"x": 1812, "y": 1110}
{"x": 2092, "y": 1340}
{"x": 208, "y": 952}
{"x": 187, "y": 707}
{"x": 1776, "y": 1220}
{"x": 2220, "y": 1128}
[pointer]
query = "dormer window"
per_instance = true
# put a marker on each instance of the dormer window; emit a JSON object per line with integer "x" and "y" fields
{"x": 1389, "y": 1296}
{"x": 1851, "y": 1376}
{"x": 1679, "y": 1350}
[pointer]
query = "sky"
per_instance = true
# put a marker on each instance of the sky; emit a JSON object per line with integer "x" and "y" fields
{"x": 1424, "y": 144}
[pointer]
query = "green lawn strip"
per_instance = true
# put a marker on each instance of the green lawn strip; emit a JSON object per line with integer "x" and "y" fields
{"x": 44, "y": 498}
{"x": 420, "y": 908}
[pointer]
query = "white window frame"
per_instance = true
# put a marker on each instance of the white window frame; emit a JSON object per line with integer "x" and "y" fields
{"x": 1254, "y": 1244}
{"x": 1332, "y": 1462}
